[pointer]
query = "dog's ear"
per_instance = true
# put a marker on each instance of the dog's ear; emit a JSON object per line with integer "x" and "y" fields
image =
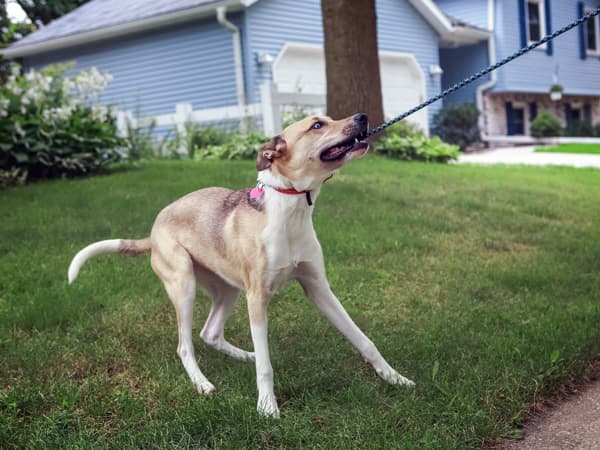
{"x": 275, "y": 148}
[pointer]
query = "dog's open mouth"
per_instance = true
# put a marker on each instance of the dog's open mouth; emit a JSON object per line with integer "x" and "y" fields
{"x": 340, "y": 150}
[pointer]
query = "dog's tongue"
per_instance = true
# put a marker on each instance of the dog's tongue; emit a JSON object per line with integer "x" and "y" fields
{"x": 334, "y": 152}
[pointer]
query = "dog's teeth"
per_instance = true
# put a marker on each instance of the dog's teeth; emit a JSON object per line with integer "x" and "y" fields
{"x": 356, "y": 140}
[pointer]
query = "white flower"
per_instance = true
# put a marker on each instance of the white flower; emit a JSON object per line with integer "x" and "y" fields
{"x": 19, "y": 130}
{"x": 100, "y": 112}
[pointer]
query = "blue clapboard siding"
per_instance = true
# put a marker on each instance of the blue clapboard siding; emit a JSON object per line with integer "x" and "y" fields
{"x": 191, "y": 63}
{"x": 401, "y": 28}
{"x": 468, "y": 11}
{"x": 269, "y": 24}
{"x": 460, "y": 62}
{"x": 533, "y": 72}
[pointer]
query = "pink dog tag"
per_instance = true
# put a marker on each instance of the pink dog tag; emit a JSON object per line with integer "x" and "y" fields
{"x": 256, "y": 192}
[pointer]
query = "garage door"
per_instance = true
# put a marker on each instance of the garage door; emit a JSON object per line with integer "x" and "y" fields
{"x": 301, "y": 68}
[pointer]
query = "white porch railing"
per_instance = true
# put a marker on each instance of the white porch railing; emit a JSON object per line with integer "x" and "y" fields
{"x": 269, "y": 112}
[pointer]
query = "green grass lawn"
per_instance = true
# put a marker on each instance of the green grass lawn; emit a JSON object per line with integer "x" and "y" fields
{"x": 593, "y": 149}
{"x": 482, "y": 284}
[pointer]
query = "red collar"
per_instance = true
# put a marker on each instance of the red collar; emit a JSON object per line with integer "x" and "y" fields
{"x": 291, "y": 191}
{"x": 259, "y": 189}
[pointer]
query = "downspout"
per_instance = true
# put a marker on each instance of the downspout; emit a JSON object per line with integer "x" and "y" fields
{"x": 493, "y": 77}
{"x": 239, "y": 66}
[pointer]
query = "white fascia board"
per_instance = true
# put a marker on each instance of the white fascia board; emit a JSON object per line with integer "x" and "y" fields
{"x": 122, "y": 29}
{"x": 450, "y": 34}
{"x": 436, "y": 18}
{"x": 461, "y": 35}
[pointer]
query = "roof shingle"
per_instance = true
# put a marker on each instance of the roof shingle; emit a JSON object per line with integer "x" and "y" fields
{"x": 98, "y": 14}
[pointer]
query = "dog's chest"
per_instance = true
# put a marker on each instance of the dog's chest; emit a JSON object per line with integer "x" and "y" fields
{"x": 289, "y": 237}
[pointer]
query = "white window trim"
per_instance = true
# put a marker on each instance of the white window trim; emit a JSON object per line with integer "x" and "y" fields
{"x": 597, "y": 26}
{"x": 543, "y": 31}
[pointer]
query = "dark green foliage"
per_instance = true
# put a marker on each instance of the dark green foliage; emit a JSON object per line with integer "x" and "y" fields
{"x": 457, "y": 124}
{"x": 198, "y": 137}
{"x": 48, "y": 127}
{"x": 579, "y": 128}
{"x": 79, "y": 145}
{"x": 236, "y": 147}
{"x": 404, "y": 141}
{"x": 545, "y": 125}
{"x": 140, "y": 142}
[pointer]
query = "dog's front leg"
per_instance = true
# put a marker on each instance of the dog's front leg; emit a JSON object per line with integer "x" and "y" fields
{"x": 257, "y": 310}
{"x": 316, "y": 288}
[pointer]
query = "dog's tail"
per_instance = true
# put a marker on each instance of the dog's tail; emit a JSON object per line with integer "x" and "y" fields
{"x": 127, "y": 246}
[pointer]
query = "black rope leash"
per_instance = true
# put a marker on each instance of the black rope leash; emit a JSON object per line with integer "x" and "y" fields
{"x": 481, "y": 73}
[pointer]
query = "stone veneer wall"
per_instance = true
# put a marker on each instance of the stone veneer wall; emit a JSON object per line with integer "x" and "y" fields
{"x": 495, "y": 110}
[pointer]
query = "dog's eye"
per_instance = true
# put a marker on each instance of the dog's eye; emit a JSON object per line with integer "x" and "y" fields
{"x": 316, "y": 125}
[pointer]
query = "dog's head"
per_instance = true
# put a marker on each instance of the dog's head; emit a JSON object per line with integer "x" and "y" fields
{"x": 310, "y": 150}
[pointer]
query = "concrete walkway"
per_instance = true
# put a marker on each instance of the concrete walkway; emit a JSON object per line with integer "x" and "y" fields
{"x": 526, "y": 155}
{"x": 573, "y": 424}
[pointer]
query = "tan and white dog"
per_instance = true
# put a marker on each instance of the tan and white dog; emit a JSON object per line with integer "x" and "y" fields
{"x": 255, "y": 240}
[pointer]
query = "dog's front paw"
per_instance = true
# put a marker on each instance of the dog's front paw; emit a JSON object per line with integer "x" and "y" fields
{"x": 393, "y": 377}
{"x": 205, "y": 387}
{"x": 267, "y": 406}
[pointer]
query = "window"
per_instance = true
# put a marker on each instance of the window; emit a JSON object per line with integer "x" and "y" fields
{"x": 592, "y": 32}
{"x": 518, "y": 125}
{"x": 516, "y": 118}
{"x": 536, "y": 20}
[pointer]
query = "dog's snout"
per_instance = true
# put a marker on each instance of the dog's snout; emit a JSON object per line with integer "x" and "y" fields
{"x": 361, "y": 118}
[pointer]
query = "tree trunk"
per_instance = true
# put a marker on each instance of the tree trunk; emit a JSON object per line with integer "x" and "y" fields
{"x": 351, "y": 59}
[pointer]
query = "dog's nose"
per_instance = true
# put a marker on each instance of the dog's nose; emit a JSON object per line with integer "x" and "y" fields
{"x": 361, "y": 118}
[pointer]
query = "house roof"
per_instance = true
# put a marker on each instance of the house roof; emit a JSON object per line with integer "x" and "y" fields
{"x": 102, "y": 19}
{"x": 106, "y": 13}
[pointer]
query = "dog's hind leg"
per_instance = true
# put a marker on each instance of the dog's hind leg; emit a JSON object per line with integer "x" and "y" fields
{"x": 224, "y": 297}
{"x": 177, "y": 275}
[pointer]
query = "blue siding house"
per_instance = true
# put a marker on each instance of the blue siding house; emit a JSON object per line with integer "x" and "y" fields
{"x": 512, "y": 97}
{"x": 218, "y": 53}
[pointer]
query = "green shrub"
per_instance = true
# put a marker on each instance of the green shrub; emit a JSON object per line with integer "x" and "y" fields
{"x": 405, "y": 141}
{"x": 404, "y": 129}
{"x": 50, "y": 125}
{"x": 140, "y": 142}
{"x": 457, "y": 124}
{"x": 545, "y": 124}
{"x": 238, "y": 147}
{"x": 197, "y": 137}
{"x": 580, "y": 128}
{"x": 297, "y": 113}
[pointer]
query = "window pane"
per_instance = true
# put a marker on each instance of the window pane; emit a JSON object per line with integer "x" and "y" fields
{"x": 519, "y": 120}
{"x": 533, "y": 15}
{"x": 591, "y": 34}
